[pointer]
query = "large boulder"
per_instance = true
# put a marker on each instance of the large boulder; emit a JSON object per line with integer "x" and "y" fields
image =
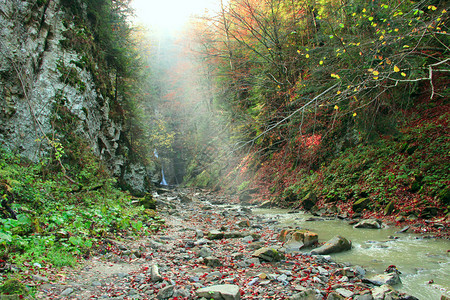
{"x": 298, "y": 238}
{"x": 335, "y": 245}
{"x": 360, "y": 204}
{"x": 369, "y": 223}
{"x": 220, "y": 292}
{"x": 309, "y": 201}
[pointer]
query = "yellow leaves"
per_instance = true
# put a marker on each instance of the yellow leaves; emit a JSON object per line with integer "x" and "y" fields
{"x": 321, "y": 62}
{"x": 388, "y": 61}
{"x": 432, "y": 7}
{"x": 396, "y": 69}
{"x": 336, "y": 107}
{"x": 338, "y": 92}
{"x": 403, "y": 74}
{"x": 444, "y": 11}
{"x": 307, "y": 55}
{"x": 375, "y": 73}
{"x": 364, "y": 10}
{"x": 354, "y": 114}
{"x": 396, "y": 29}
{"x": 381, "y": 37}
{"x": 298, "y": 51}
{"x": 335, "y": 76}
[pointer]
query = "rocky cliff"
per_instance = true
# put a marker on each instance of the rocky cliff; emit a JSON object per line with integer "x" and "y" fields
{"x": 55, "y": 82}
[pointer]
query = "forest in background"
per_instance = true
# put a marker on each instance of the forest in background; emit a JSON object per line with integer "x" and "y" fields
{"x": 347, "y": 100}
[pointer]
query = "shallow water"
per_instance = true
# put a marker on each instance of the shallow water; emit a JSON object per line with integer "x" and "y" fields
{"x": 419, "y": 260}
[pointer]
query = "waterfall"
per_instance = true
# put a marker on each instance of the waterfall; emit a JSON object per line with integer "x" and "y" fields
{"x": 163, "y": 181}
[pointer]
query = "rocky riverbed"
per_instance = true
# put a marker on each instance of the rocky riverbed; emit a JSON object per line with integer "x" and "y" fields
{"x": 213, "y": 252}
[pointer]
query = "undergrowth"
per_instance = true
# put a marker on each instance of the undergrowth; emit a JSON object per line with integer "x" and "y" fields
{"x": 59, "y": 220}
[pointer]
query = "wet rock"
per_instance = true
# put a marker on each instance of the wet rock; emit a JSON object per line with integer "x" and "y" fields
{"x": 166, "y": 292}
{"x": 335, "y": 245}
{"x": 298, "y": 237}
{"x": 379, "y": 292}
{"x": 269, "y": 254}
{"x": 369, "y": 223}
{"x": 360, "y": 204}
{"x": 404, "y": 229}
{"x": 220, "y": 292}
{"x": 381, "y": 279}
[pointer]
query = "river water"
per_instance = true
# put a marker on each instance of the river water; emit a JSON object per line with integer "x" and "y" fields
{"x": 424, "y": 263}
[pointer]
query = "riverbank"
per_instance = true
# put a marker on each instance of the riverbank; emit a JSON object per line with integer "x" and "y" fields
{"x": 206, "y": 250}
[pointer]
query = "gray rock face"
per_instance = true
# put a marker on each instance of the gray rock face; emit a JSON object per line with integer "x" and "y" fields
{"x": 220, "y": 292}
{"x": 336, "y": 244}
{"x": 34, "y": 70}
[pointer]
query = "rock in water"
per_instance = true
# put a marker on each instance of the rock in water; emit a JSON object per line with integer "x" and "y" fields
{"x": 220, "y": 292}
{"x": 336, "y": 244}
{"x": 370, "y": 223}
{"x": 381, "y": 279}
{"x": 298, "y": 237}
{"x": 269, "y": 254}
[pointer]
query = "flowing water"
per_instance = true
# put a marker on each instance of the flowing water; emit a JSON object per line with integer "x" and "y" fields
{"x": 421, "y": 261}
